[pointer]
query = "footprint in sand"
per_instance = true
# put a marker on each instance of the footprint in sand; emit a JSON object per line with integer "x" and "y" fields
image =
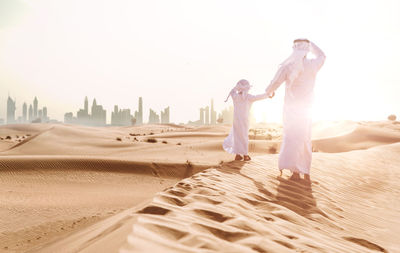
{"x": 225, "y": 235}
{"x": 154, "y": 210}
{"x": 365, "y": 243}
{"x": 168, "y": 232}
{"x": 286, "y": 244}
{"x": 212, "y": 215}
{"x": 291, "y": 237}
{"x": 177, "y": 193}
{"x": 173, "y": 200}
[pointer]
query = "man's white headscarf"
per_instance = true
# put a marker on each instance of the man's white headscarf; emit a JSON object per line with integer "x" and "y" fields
{"x": 243, "y": 87}
{"x": 294, "y": 63}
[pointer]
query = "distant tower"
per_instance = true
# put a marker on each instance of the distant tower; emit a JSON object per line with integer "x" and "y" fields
{"x": 86, "y": 106}
{"x": 99, "y": 115}
{"x": 10, "y": 110}
{"x": 165, "y": 116}
{"x": 207, "y": 115}
{"x": 213, "y": 113}
{"x": 154, "y": 118}
{"x": 201, "y": 116}
{"x": 94, "y": 110}
{"x": 166, "y": 112}
{"x": 140, "y": 114}
{"x": 45, "y": 113}
{"x": 115, "y": 116}
{"x": 94, "y": 104}
{"x": 35, "y": 108}
{"x": 24, "y": 112}
{"x": 40, "y": 114}
{"x": 30, "y": 116}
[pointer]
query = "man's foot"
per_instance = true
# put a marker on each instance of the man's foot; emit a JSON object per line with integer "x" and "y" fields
{"x": 307, "y": 181}
{"x": 247, "y": 158}
{"x": 295, "y": 176}
{"x": 280, "y": 173}
{"x": 238, "y": 157}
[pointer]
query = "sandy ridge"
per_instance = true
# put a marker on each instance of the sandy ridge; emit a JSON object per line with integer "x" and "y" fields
{"x": 246, "y": 208}
{"x": 76, "y": 163}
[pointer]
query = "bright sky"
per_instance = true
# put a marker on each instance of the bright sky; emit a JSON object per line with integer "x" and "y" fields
{"x": 183, "y": 53}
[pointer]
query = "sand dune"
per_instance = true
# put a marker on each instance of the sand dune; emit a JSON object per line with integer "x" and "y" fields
{"x": 82, "y": 189}
{"x": 354, "y": 137}
{"x": 245, "y": 207}
{"x": 55, "y": 179}
{"x": 129, "y": 143}
{"x": 44, "y": 198}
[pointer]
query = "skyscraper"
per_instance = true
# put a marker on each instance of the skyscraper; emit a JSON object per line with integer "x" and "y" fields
{"x": 115, "y": 112}
{"x": 83, "y": 114}
{"x": 201, "y": 122}
{"x": 213, "y": 113}
{"x": 45, "y": 118}
{"x": 30, "y": 115}
{"x": 86, "y": 109}
{"x": 154, "y": 118}
{"x": 121, "y": 117}
{"x": 10, "y": 111}
{"x": 207, "y": 115}
{"x": 140, "y": 113}
{"x": 24, "y": 112}
{"x": 35, "y": 108}
{"x": 98, "y": 117}
{"x": 165, "y": 116}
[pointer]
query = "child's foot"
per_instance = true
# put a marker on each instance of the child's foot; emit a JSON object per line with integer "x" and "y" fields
{"x": 295, "y": 176}
{"x": 307, "y": 177}
{"x": 247, "y": 158}
{"x": 280, "y": 173}
{"x": 238, "y": 157}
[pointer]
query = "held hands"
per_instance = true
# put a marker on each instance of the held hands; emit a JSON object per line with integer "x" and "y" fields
{"x": 269, "y": 94}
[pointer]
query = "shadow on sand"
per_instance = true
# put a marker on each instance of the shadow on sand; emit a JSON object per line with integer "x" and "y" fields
{"x": 294, "y": 194}
{"x": 297, "y": 195}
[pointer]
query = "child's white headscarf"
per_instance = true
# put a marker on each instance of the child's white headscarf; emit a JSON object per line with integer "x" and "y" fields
{"x": 243, "y": 86}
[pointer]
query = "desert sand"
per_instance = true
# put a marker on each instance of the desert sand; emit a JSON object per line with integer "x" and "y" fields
{"x": 170, "y": 188}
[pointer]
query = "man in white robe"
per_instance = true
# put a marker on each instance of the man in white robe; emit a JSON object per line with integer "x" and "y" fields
{"x": 299, "y": 74}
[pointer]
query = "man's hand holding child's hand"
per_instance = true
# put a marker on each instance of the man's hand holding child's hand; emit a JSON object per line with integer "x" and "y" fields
{"x": 271, "y": 95}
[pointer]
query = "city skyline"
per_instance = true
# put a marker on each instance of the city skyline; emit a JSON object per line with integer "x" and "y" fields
{"x": 208, "y": 116}
{"x": 119, "y": 116}
{"x": 162, "y": 115}
{"x": 97, "y": 116}
{"x": 35, "y": 114}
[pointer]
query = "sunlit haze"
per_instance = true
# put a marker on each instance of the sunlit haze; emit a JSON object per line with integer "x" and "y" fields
{"x": 183, "y": 53}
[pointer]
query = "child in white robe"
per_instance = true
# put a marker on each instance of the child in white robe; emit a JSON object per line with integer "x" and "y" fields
{"x": 238, "y": 139}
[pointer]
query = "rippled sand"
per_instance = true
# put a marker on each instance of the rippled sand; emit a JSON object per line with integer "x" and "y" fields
{"x": 83, "y": 189}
